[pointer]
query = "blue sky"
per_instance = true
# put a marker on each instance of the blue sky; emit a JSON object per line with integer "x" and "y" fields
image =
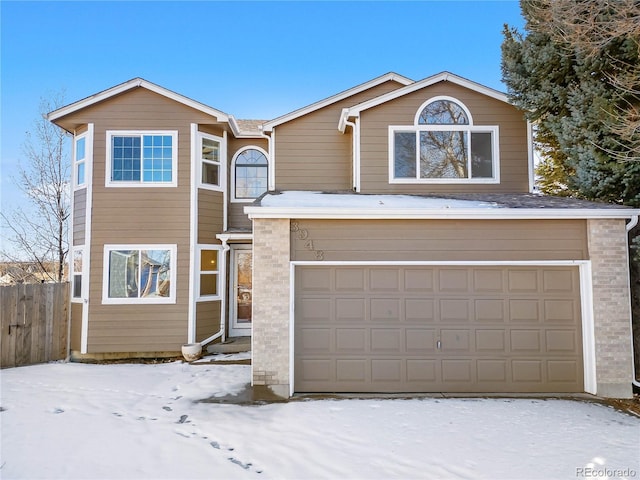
{"x": 250, "y": 59}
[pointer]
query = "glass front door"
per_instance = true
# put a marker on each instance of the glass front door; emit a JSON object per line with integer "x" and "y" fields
{"x": 241, "y": 293}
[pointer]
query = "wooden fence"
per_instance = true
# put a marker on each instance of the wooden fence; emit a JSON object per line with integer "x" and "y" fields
{"x": 33, "y": 323}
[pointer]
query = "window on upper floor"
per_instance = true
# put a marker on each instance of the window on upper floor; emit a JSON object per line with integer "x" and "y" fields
{"x": 139, "y": 274}
{"x": 210, "y": 154}
{"x": 250, "y": 168}
{"x": 79, "y": 161}
{"x": 443, "y": 146}
{"x": 141, "y": 158}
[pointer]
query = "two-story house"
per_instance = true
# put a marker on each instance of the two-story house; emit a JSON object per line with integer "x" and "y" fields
{"x": 385, "y": 239}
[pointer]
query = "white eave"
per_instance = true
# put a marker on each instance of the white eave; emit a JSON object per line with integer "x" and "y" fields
{"x": 440, "y": 77}
{"x": 316, "y": 205}
{"x": 268, "y": 126}
{"x": 131, "y": 84}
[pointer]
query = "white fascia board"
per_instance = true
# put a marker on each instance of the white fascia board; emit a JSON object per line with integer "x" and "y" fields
{"x": 440, "y": 77}
{"x": 134, "y": 83}
{"x": 432, "y": 214}
{"x": 268, "y": 126}
{"x": 234, "y": 236}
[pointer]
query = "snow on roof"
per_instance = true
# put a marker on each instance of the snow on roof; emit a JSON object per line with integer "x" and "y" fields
{"x": 328, "y": 200}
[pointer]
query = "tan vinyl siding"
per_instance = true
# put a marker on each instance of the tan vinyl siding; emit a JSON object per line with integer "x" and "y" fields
{"x": 210, "y": 215}
{"x": 207, "y": 319}
{"x": 139, "y": 215}
{"x": 238, "y": 220}
{"x": 434, "y": 240}
{"x": 311, "y": 154}
{"x": 374, "y": 131}
{"x": 76, "y": 326}
{"x": 79, "y": 216}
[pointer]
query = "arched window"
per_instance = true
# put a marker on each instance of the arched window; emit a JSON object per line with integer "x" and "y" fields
{"x": 443, "y": 146}
{"x": 250, "y": 174}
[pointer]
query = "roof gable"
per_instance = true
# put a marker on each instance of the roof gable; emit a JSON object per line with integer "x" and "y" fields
{"x": 130, "y": 85}
{"x": 355, "y": 110}
{"x": 268, "y": 126}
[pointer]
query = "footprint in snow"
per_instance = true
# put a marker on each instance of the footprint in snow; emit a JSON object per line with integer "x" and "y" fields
{"x": 58, "y": 410}
{"x": 183, "y": 418}
{"x": 168, "y": 409}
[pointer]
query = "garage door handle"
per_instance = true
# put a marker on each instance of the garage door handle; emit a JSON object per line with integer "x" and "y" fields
{"x": 438, "y": 344}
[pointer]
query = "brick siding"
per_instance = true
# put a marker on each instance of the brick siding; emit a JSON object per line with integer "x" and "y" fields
{"x": 611, "y": 306}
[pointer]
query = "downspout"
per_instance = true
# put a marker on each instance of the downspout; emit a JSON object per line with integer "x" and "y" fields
{"x": 356, "y": 154}
{"x": 632, "y": 223}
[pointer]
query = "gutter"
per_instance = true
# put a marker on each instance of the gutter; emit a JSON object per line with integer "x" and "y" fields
{"x": 632, "y": 223}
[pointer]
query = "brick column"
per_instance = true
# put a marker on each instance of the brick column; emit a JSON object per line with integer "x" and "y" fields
{"x": 270, "y": 350}
{"x": 611, "y": 306}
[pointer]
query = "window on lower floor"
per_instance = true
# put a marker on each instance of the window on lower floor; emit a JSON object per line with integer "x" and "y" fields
{"x": 139, "y": 274}
{"x": 76, "y": 273}
{"x": 208, "y": 272}
{"x": 141, "y": 158}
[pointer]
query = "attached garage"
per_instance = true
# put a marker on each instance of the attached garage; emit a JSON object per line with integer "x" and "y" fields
{"x": 437, "y": 328}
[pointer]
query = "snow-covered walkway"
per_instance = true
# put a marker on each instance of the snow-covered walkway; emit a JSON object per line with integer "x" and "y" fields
{"x": 137, "y": 421}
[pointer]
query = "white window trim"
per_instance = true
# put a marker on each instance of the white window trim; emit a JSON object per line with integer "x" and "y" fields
{"x": 200, "y": 161}
{"x": 232, "y": 197}
{"x": 218, "y": 273}
{"x": 76, "y": 162}
{"x": 446, "y": 98}
{"x": 494, "y": 130}
{"x": 82, "y": 274}
{"x": 141, "y": 184}
{"x": 106, "y": 300}
{"x": 471, "y": 128}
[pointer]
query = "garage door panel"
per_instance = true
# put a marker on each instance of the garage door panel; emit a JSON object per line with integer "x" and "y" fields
{"x": 457, "y": 371}
{"x": 559, "y": 311}
{"x": 384, "y": 280}
{"x": 490, "y": 340}
{"x": 349, "y": 280}
{"x": 385, "y": 309}
{"x": 521, "y": 281}
{"x": 558, "y": 341}
{"x": 313, "y": 310}
{"x": 491, "y": 371}
{"x": 453, "y": 280}
{"x": 420, "y": 340}
{"x": 454, "y": 310}
{"x": 419, "y": 310}
{"x": 488, "y": 281}
{"x": 489, "y": 310}
{"x": 351, "y": 370}
{"x": 386, "y": 340}
{"x": 525, "y": 341}
{"x": 437, "y": 329}
{"x": 422, "y": 370}
{"x": 527, "y": 371}
{"x": 386, "y": 370}
{"x": 524, "y": 310}
{"x": 350, "y": 309}
{"x": 558, "y": 281}
{"x": 419, "y": 280}
{"x": 351, "y": 340}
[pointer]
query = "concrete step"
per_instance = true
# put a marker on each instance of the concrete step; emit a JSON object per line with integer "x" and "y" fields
{"x": 231, "y": 345}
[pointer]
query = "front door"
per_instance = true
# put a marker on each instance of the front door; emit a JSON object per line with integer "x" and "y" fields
{"x": 241, "y": 293}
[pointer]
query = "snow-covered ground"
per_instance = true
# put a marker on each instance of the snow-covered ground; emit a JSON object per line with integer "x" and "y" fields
{"x": 137, "y": 421}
